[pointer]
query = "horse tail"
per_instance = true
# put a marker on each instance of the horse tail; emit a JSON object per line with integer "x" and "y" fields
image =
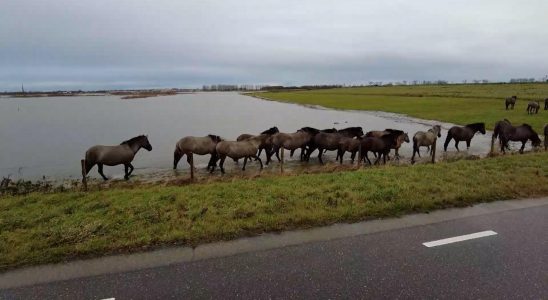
{"x": 447, "y": 140}
{"x": 177, "y": 155}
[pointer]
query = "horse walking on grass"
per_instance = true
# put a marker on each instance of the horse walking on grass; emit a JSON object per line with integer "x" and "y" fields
{"x": 511, "y": 102}
{"x": 465, "y": 133}
{"x": 115, "y": 155}
{"x": 191, "y": 145}
{"x": 533, "y": 107}
{"x": 425, "y": 139}
{"x": 506, "y": 132}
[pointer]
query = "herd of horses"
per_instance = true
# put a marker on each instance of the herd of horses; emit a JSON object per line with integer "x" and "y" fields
{"x": 532, "y": 107}
{"x": 308, "y": 140}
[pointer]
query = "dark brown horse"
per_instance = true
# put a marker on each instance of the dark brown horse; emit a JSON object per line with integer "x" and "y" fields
{"x": 331, "y": 141}
{"x": 465, "y": 133}
{"x": 380, "y": 146}
{"x": 402, "y": 138}
{"x": 533, "y": 107}
{"x": 306, "y": 148}
{"x": 351, "y": 145}
{"x": 507, "y": 132}
{"x": 511, "y": 101}
{"x": 115, "y": 155}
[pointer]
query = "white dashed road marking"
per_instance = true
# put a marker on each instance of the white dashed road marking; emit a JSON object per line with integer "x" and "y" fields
{"x": 459, "y": 238}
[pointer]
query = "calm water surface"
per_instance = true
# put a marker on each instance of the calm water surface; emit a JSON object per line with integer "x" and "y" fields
{"x": 48, "y": 136}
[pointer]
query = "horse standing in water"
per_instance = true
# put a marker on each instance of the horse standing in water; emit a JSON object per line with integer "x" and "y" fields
{"x": 465, "y": 133}
{"x": 506, "y": 132}
{"x": 115, "y": 155}
{"x": 402, "y": 138}
{"x": 246, "y": 149}
{"x": 427, "y": 139}
{"x": 331, "y": 141}
{"x": 191, "y": 145}
{"x": 533, "y": 107}
{"x": 291, "y": 141}
{"x": 379, "y": 145}
{"x": 511, "y": 101}
{"x": 266, "y": 145}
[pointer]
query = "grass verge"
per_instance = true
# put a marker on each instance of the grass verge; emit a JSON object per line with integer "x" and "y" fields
{"x": 43, "y": 228}
{"x": 459, "y": 104}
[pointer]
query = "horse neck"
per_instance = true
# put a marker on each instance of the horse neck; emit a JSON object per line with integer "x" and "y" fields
{"x": 134, "y": 147}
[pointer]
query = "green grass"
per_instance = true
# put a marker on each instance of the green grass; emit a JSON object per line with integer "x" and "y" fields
{"x": 52, "y": 227}
{"x": 459, "y": 104}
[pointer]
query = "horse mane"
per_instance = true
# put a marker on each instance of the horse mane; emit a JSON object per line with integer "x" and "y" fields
{"x": 351, "y": 128}
{"x": 310, "y": 130}
{"x": 396, "y": 131}
{"x": 330, "y": 130}
{"x": 214, "y": 138}
{"x": 476, "y": 125}
{"x": 527, "y": 126}
{"x": 271, "y": 130}
{"x": 132, "y": 140}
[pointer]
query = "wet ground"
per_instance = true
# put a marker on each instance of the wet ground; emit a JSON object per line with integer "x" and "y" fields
{"x": 47, "y": 137}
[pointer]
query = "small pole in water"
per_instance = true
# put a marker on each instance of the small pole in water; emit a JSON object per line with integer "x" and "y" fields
{"x": 434, "y": 151}
{"x": 191, "y": 166}
{"x": 84, "y": 177}
{"x": 282, "y": 160}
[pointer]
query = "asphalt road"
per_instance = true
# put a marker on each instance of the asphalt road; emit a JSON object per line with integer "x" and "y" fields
{"x": 390, "y": 264}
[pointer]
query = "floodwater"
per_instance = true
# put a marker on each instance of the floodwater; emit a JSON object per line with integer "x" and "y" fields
{"x": 48, "y": 136}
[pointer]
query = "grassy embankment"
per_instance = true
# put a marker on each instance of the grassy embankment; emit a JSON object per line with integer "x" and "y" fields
{"x": 51, "y": 227}
{"x": 459, "y": 104}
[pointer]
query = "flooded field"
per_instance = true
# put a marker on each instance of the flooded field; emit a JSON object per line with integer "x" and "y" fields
{"x": 48, "y": 136}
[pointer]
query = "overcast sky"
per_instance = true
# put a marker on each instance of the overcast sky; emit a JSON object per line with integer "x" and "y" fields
{"x": 96, "y": 44}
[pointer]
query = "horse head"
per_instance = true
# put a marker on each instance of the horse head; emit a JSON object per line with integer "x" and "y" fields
{"x": 271, "y": 130}
{"x": 437, "y": 130}
{"x": 145, "y": 143}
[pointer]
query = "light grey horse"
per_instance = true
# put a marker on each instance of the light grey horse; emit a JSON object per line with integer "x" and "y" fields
{"x": 425, "y": 139}
{"x": 191, "y": 145}
{"x": 246, "y": 149}
{"x": 115, "y": 155}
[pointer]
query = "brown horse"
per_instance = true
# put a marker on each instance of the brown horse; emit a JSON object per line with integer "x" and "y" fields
{"x": 379, "y": 145}
{"x": 402, "y": 138}
{"x": 533, "y": 107}
{"x": 427, "y": 139}
{"x": 511, "y": 101}
{"x": 246, "y": 149}
{"x": 266, "y": 145}
{"x": 191, "y": 145}
{"x": 306, "y": 149}
{"x": 465, "y": 133}
{"x": 115, "y": 155}
{"x": 291, "y": 141}
{"x": 351, "y": 145}
{"x": 331, "y": 141}
{"x": 506, "y": 132}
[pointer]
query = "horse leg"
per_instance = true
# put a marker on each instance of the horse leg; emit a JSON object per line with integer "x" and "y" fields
{"x": 366, "y": 157}
{"x": 522, "y": 146}
{"x": 457, "y": 145}
{"x": 189, "y": 159}
{"x": 177, "y": 155}
{"x": 245, "y": 162}
{"x": 278, "y": 154}
{"x": 126, "y": 171}
{"x": 100, "y": 170}
{"x": 131, "y": 168}
{"x": 414, "y": 152}
{"x": 293, "y": 152}
{"x": 352, "y": 156}
{"x": 257, "y": 158}
{"x": 340, "y": 154}
{"x": 320, "y": 150}
{"x": 468, "y": 144}
{"x": 222, "y": 163}
{"x": 397, "y": 154}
